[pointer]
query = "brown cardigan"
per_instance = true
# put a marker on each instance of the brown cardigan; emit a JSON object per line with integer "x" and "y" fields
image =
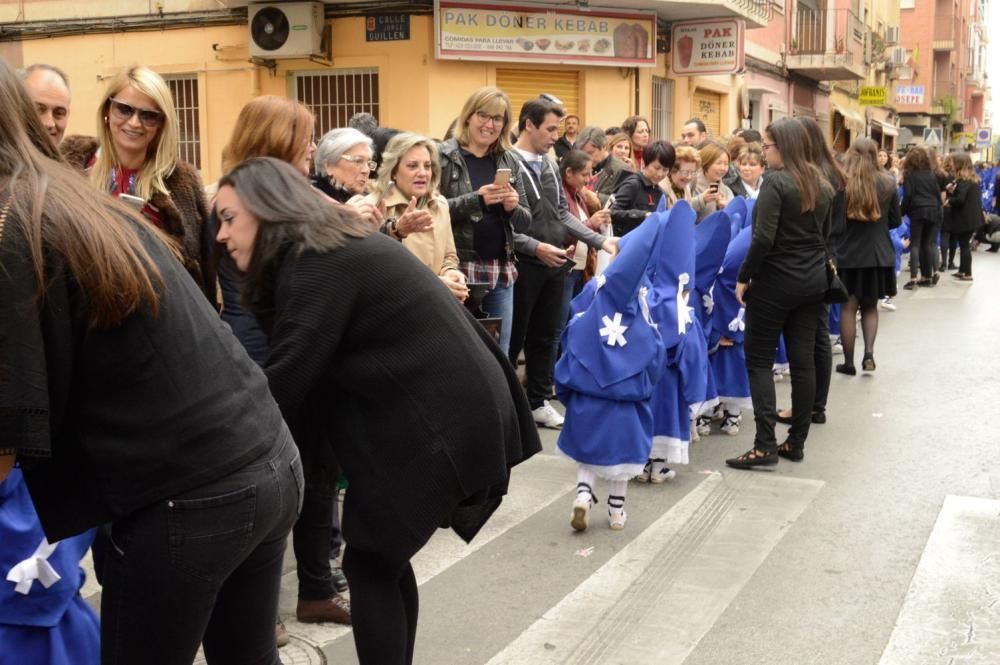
{"x": 184, "y": 212}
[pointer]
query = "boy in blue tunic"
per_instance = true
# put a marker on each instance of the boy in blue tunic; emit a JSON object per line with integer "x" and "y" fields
{"x": 728, "y": 359}
{"x": 612, "y": 358}
{"x": 43, "y": 619}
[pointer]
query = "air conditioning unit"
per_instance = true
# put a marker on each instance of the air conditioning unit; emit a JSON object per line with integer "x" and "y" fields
{"x": 286, "y": 29}
{"x": 892, "y": 35}
{"x": 898, "y": 55}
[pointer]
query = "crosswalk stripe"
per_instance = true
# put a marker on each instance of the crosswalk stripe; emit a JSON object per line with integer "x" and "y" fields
{"x": 952, "y": 609}
{"x": 657, "y": 597}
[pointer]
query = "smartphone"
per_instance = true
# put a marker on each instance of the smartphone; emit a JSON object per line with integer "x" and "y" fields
{"x": 714, "y": 188}
{"x": 502, "y": 178}
{"x": 388, "y": 190}
{"x": 133, "y": 201}
{"x": 610, "y": 202}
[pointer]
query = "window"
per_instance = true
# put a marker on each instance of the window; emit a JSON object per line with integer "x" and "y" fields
{"x": 663, "y": 108}
{"x": 184, "y": 90}
{"x": 335, "y": 97}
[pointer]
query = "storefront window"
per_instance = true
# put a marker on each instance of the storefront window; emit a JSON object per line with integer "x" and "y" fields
{"x": 334, "y": 97}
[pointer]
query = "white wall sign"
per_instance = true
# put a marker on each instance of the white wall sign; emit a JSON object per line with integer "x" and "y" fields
{"x": 707, "y": 47}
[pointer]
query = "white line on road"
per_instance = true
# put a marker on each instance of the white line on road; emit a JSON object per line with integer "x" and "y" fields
{"x": 654, "y": 600}
{"x": 952, "y": 610}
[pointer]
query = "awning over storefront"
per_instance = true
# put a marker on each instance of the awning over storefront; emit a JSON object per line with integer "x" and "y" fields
{"x": 887, "y": 129}
{"x": 853, "y": 120}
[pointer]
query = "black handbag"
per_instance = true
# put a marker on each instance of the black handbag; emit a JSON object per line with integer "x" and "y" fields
{"x": 836, "y": 292}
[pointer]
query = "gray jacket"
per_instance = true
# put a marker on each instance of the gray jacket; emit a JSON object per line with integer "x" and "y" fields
{"x": 466, "y": 207}
{"x": 609, "y": 177}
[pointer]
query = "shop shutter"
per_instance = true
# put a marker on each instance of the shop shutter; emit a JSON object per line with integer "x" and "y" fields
{"x": 524, "y": 84}
{"x": 708, "y": 106}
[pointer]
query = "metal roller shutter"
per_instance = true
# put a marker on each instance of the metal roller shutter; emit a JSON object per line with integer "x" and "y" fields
{"x": 708, "y": 106}
{"x": 524, "y": 84}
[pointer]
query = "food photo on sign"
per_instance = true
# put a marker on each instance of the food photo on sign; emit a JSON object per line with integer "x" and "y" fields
{"x": 708, "y": 47}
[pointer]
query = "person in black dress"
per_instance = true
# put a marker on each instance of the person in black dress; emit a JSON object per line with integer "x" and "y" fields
{"x": 966, "y": 205}
{"x": 865, "y": 256}
{"x": 370, "y": 349}
{"x": 785, "y": 272}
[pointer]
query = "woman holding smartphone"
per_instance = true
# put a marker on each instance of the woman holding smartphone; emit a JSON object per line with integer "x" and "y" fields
{"x": 415, "y": 212}
{"x": 709, "y": 192}
{"x": 135, "y": 158}
{"x": 485, "y": 211}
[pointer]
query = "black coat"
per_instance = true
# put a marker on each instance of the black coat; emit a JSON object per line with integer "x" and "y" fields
{"x": 426, "y": 415}
{"x": 921, "y": 196}
{"x": 635, "y": 197}
{"x": 966, "y": 206}
{"x": 867, "y": 244}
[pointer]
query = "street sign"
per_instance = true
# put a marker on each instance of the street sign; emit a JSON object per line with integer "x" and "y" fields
{"x": 984, "y": 136}
{"x": 932, "y": 136}
{"x": 872, "y": 96}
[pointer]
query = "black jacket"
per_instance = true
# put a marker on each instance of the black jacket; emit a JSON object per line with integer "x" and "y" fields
{"x": 562, "y": 146}
{"x": 134, "y": 414}
{"x": 635, "y": 197}
{"x": 426, "y": 415}
{"x": 788, "y": 248}
{"x": 867, "y": 244}
{"x": 610, "y": 172}
{"x": 966, "y": 206}
{"x": 921, "y": 196}
{"x": 466, "y": 206}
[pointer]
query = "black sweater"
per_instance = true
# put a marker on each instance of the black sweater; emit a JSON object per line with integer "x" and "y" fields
{"x": 867, "y": 244}
{"x": 635, "y": 197}
{"x": 966, "y": 207}
{"x": 921, "y": 196}
{"x": 424, "y": 410}
{"x": 149, "y": 409}
{"x": 787, "y": 246}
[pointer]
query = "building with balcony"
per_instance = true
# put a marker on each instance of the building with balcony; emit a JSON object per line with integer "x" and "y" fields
{"x": 204, "y": 49}
{"x": 943, "y": 83}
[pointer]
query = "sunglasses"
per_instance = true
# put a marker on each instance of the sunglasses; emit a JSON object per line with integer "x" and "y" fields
{"x": 148, "y": 117}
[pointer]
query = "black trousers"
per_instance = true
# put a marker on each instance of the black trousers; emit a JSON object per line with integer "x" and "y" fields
{"x": 203, "y": 567}
{"x": 823, "y": 353}
{"x": 384, "y": 608}
{"x": 538, "y": 296}
{"x": 965, "y": 251}
{"x": 771, "y": 312}
{"x": 922, "y": 244}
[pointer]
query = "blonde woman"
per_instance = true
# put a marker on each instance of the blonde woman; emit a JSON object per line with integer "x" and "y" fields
{"x": 415, "y": 212}
{"x": 134, "y": 157}
{"x": 620, "y": 146}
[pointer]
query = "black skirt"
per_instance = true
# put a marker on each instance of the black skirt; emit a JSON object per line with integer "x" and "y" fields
{"x": 869, "y": 283}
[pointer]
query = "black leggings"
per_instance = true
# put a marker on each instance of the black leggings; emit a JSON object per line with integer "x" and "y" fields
{"x": 384, "y": 607}
{"x": 849, "y": 326}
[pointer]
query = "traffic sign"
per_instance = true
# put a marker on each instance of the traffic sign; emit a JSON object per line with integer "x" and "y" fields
{"x": 932, "y": 136}
{"x": 984, "y": 136}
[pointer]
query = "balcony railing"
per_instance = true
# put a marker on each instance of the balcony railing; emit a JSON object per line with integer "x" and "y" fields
{"x": 833, "y": 31}
{"x": 947, "y": 29}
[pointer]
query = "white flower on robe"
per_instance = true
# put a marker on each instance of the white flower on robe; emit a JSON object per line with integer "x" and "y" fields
{"x": 35, "y": 567}
{"x": 614, "y": 330}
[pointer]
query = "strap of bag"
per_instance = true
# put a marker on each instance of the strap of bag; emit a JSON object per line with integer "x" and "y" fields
{"x": 830, "y": 263}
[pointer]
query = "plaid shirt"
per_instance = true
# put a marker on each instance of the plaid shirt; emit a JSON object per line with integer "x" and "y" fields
{"x": 495, "y": 272}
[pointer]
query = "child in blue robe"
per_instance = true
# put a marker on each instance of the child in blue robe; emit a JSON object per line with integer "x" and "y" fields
{"x": 43, "y": 619}
{"x": 612, "y": 359}
{"x": 728, "y": 360}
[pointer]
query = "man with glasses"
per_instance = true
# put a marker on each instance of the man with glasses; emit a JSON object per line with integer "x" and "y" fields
{"x": 608, "y": 169}
{"x": 48, "y": 88}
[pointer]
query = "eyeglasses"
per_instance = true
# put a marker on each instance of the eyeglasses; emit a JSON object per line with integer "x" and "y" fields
{"x": 148, "y": 117}
{"x": 354, "y": 159}
{"x": 486, "y": 118}
{"x": 690, "y": 173}
{"x": 765, "y": 146}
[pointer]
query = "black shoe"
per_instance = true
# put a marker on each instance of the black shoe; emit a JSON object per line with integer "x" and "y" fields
{"x": 935, "y": 279}
{"x": 868, "y": 363}
{"x": 753, "y": 458}
{"x": 912, "y": 284}
{"x": 952, "y": 266}
{"x": 790, "y": 452}
{"x": 818, "y": 418}
{"x": 844, "y": 368}
{"x": 339, "y": 579}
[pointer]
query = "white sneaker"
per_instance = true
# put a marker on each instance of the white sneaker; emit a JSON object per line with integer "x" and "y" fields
{"x": 731, "y": 424}
{"x": 546, "y": 416}
{"x": 616, "y": 519}
{"x": 703, "y": 425}
{"x": 838, "y": 348}
{"x": 662, "y": 476}
{"x": 779, "y": 375}
{"x": 581, "y": 512}
{"x": 887, "y": 304}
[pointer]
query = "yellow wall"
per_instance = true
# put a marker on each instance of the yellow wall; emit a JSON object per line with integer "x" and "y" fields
{"x": 417, "y": 92}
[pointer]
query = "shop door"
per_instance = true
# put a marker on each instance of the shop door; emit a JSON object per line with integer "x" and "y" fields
{"x": 524, "y": 84}
{"x": 708, "y": 106}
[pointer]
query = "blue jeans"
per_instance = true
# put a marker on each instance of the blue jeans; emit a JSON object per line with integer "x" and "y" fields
{"x": 499, "y": 303}
{"x": 204, "y": 566}
{"x": 573, "y": 279}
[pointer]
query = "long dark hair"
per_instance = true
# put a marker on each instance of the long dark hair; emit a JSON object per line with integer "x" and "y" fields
{"x": 292, "y": 216}
{"x": 821, "y": 156}
{"x": 790, "y": 137}
{"x": 57, "y": 211}
{"x": 866, "y": 181}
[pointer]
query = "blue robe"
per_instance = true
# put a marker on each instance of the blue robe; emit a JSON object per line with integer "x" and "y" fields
{"x": 46, "y": 626}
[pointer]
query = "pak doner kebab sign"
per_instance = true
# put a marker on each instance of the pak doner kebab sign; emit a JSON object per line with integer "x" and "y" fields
{"x": 707, "y": 47}
{"x": 508, "y": 32}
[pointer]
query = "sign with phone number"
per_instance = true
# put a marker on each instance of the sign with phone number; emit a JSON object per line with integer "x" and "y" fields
{"x": 909, "y": 95}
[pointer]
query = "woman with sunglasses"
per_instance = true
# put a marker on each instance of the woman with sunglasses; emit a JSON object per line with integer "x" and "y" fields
{"x": 135, "y": 158}
{"x": 480, "y": 177}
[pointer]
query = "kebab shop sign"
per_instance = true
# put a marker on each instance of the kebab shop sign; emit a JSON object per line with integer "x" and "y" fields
{"x": 541, "y": 33}
{"x": 707, "y": 47}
